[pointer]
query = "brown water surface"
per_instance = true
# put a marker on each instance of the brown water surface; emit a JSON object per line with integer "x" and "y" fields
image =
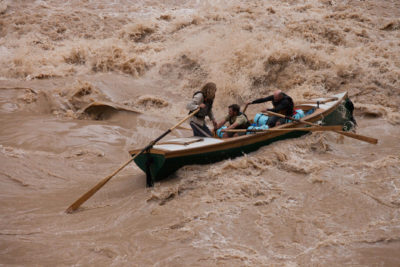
{"x": 83, "y": 82}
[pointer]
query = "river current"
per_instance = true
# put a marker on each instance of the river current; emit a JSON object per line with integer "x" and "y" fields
{"x": 84, "y": 82}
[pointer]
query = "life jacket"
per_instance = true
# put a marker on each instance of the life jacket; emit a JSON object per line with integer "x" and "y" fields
{"x": 289, "y": 110}
{"x": 247, "y": 124}
{"x": 203, "y": 111}
{"x": 244, "y": 126}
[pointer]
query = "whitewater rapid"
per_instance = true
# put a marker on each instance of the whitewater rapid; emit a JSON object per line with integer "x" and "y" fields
{"x": 84, "y": 82}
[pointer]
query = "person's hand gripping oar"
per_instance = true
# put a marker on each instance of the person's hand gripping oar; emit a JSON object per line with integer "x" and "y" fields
{"x": 348, "y": 134}
{"x": 92, "y": 191}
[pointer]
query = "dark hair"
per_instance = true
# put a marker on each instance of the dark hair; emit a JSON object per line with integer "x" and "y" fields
{"x": 235, "y": 108}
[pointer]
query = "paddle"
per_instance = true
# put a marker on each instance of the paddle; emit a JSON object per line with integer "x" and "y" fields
{"x": 308, "y": 129}
{"x": 245, "y": 108}
{"x": 352, "y": 135}
{"x": 184, "y": 128}
{"x": 92, "y": 191}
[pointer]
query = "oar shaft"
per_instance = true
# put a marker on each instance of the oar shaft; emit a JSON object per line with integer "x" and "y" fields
{"x": 308, "y": 129}
{"x": 97, "y": 187}
{"x": 184, "y": 119}
{"x": 245, "y": 108}
{"x": 290, "y": 118}
{"x": 152, "y": 143}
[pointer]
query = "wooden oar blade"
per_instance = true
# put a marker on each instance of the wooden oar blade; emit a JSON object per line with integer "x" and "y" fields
{"x": 364, "y": 138}
{"x": 86, "y": 196}
{"x": 96, "y": 188}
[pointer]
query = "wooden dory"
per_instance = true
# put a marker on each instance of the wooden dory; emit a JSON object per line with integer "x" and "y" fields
{"x": 168, "y": 156}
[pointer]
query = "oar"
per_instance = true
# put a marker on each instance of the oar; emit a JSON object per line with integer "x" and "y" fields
{"x": 92, "y": 191}
{"x": 184, "y": 128}
{"x": 245, "y": 108}
{"x": 317, "y": 101}
{"x": 352, "y": 135}
{"x": 308, "y": 129}
{"x": 360, "y": 137}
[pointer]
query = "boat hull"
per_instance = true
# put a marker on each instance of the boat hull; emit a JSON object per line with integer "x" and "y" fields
{"x": 161, "y": 166}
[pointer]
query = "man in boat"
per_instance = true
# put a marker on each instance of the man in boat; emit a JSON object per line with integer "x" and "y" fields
{"x": 282, "y": 103}
{"x": 202, "y": 99}
{"x": 236, "y": 120}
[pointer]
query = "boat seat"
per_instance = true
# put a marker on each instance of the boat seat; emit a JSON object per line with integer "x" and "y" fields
{"x": 184, "y": 143}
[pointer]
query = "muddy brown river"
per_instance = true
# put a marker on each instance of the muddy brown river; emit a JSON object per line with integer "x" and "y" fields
{"x": 84, "y": 82}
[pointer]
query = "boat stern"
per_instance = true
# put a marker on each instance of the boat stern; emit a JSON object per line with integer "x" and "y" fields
{"x": 150, "y": 163}
{"x": 342, "y": 115}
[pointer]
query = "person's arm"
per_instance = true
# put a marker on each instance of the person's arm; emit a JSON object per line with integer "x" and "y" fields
{"x": 212, "y": 118}
{"x": 233, "y": 126}
{"x": 239, "y": 121}
{"x": 284, "y": 104}
{"x": 262, "y": 100}
{"x": 195, "y": 102}
{"x": 220, "y": 124}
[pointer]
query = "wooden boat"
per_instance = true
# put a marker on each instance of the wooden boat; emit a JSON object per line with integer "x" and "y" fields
{"x": 167, "y": 157}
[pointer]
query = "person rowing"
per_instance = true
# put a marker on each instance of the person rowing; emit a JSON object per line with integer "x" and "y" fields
{"x": 202, "y": 99}
{"x": 236, "y": 120}
{"x": 282, "y": 103}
